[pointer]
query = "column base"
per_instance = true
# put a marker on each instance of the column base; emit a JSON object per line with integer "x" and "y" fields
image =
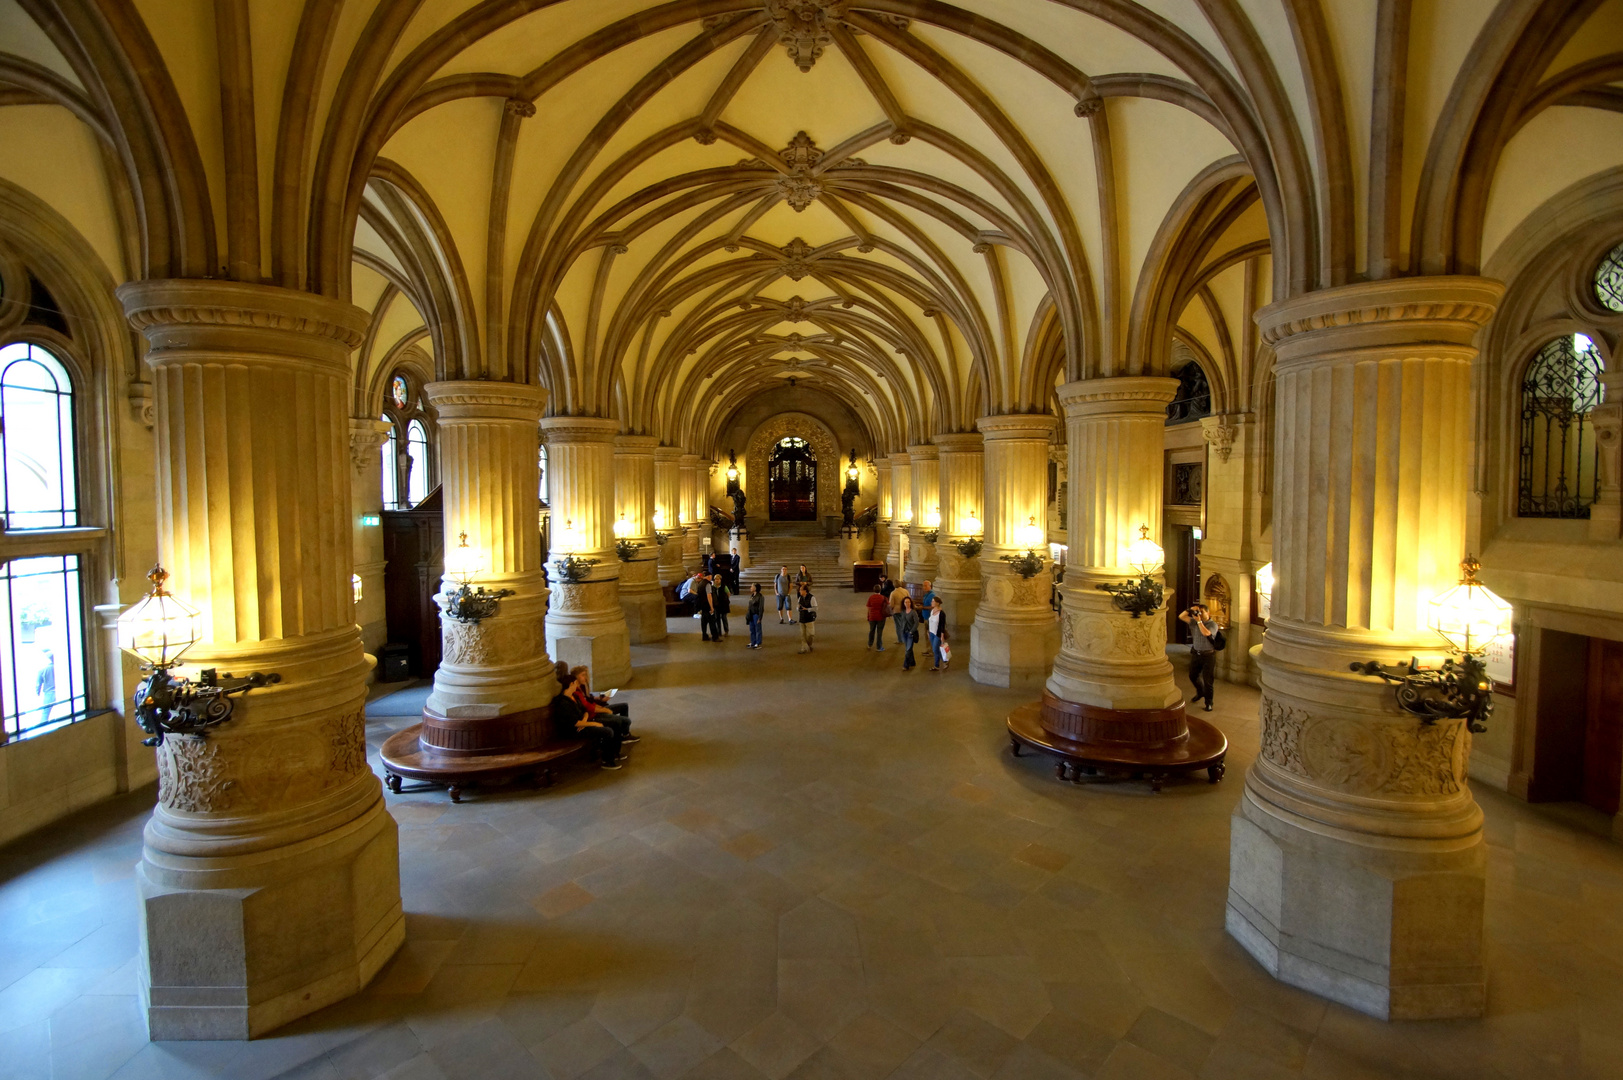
{"x": 1392, "y": 928}
{"x": 233, "y": 947}
{"x": 961, "y": 602}
{"x": 645, "y": 616}
{"x": 1015, "y": 655}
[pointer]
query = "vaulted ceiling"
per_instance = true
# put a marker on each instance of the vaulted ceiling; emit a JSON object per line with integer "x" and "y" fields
{"x": 928, "y": 211}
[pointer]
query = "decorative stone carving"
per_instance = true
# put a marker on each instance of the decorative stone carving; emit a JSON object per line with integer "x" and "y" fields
{"x": 142, "y": 407}
{"x": 586, "y": 596}
{"x": 1220, "y": 437}
{"x": 1361, "y": 758}
{"x": 191, "y": 776}
{"x": 799, "y": 425}
{"x": 804, "y": 27}
{"x": 467, "y": 644}
{"x": 800, "y": 187}
{"x": 520, "y": 108}
{"x": 366, "y": 439}
{"x": 797, "y": 259}
{"x": 346, "y": 736}
{"x": 1219, "y": 599}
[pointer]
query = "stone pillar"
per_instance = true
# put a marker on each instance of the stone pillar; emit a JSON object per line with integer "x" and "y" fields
{"x": 634, "y": 497}
{"x": 882, "y": 531}
{"x": 490, "y": 481}
{"x": 269, "y": 880}
{"x": 1015, "y": 634}
{"x": 958, "y": 579}
{"x": 1356, "y": 857}
{"x": 901, "y": 511}
{"x": 366, "y": 493}
{"x": 668, "y": 512}
{"x": 1231, "y": 552}
{"x": 925, "y": 473}
{"x": 585, "y": 624}
{"x": 694, "y": 520}
{"x": 1115, "y": 432}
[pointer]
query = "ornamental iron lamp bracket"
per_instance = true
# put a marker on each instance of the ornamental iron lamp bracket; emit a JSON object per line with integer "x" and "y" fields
{"x": 1470, "y": 618}
{"x": 158, "y": 630}
{"x": 969, "y": 547}
{"x": 1028, "y": 565}
{"x": 572, "y": 569}
{"x": 1142, "y": 597}
{"x": 473, "y": 603}
{"x": 626, "y": 549}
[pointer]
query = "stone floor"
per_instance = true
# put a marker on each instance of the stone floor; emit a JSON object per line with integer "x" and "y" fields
{"x": 821, "y": 868}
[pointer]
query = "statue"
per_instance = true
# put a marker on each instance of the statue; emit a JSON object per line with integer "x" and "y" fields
{"x": 736, "y": 490}
{"x": 848, "y": 499}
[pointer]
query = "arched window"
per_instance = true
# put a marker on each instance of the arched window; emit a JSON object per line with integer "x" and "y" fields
{"x": 543, "y": 462}
{"x": 36, "y": 440}
{"x": 1609, "y": 280}
{"x": 1558, "y": 450}
{"x": 391, "y": 469}
{"x": 1194, "y": 397}
{"x": 400, "y": 391}
{"x": 42, "y": 659}
{"x": 417, "y": 449}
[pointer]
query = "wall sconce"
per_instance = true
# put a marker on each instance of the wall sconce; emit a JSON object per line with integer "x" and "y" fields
{"x": 1470, "y": 618}
{"x": 469, "y": 604}
{"x": 732, "y": 468}
{"x": 1144, "y": 596}
{"x": 851, "y": 473}
{"x": 572, "y": 569}
{"x": 1264, "y": 579}
{"x": 158, "y": 630}
{"x": 355, "y": 587}
{"x": 1030, "y": 564}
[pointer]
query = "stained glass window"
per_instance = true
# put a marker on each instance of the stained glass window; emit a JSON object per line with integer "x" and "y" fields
{"x": 391, "y": 469}
{"x": 1558, "y": 452}
{"x": 36, "y": 440}
{"x": 417, "y": 449}
{"x": 400, "y": 391}
{"x": 1609, "y": 280}
{"x": 42, "y": 670}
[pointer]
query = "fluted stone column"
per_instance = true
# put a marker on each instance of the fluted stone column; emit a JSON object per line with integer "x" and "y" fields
{"x": 925, "y": 473}
{"x": 668, "y": 511}
{"x": 901, "y": 511}
{"x": 1356, "y": 859}
{"x": 269, "y": 879}
{"x": 1115, "y": 431}
{"x": 962, "y": 488}
{"x": 1232, "y": 551}
{"x": 585, "y": 624}
{"x": 634, "y": 497}
{"x": 694, "y": 519}
{"x": 366, "y": 439}
{"x": 490, "y": 481}
{"x": 1015, "y": 635}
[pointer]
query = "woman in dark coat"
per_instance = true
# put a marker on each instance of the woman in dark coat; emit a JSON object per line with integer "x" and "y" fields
{"x": 724, "y": 602}
{"x": 907, "y": 624}
{"x": 570, "y": 722}
{"x": 757, "y": 612}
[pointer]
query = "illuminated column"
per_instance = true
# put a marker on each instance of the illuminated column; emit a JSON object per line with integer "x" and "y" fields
{"x": 1356, "y": 858}
{"x": 882, "y": 530}
{"x": 269, "y": 879}
{"x": 585, "y": 624}
{"x": 958, "y": 579}
{"x": 1110, "y": 661}
{"x": 489, "y": 482}
{"x": 366, "y": 439}
{"x": 924, "y": 472}
{"x": 1015, "y": 636}
{"x": 901, "y": 510}
{"x": 693, "y": 516}
{"x": 668, "y": 512}
{"x": 634, "y": 497}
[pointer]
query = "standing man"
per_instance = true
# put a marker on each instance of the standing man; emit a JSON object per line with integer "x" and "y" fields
{"x": 784, "y": 586}
{"x": 1202, "y": 653}
{"x": 924, "y": 600}
{"x": 897, "y": 596}
{"x": 878, "y": 608}
{"x": 705, "y": 602}
{"x": 734, "y": 567}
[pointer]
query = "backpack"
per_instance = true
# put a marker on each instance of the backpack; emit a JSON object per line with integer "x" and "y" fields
{"x": 1219, "y": 642}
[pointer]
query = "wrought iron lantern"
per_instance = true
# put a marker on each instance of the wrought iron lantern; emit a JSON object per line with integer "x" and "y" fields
{"x": 469, "y": 603}
{"x": 1145, "y": 595}
{"x": 732, "y": 470}
{"x": 1029, "y": 564}
{"x": 1470, "y": 618}
{"x": 158, "y": 630}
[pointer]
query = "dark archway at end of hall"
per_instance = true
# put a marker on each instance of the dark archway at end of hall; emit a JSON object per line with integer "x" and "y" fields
{"x": 792, "y": 481}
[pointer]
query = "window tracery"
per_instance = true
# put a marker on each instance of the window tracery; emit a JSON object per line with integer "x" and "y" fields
{"x": 1609, "y": 280}
{"x": 1559, "y": 460}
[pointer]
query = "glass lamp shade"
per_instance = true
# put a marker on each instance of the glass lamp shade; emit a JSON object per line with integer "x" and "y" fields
{"x": 1144, "y": 554}
{"x": 463, "y": 563}
{"x": 851, "y": 472}
{"x": 969, "y": 524}
{"x": 659, "y": 521}
{"x": 932, "y": 520}
{"x": 355, "y": 586}
{"x": 1032, "y": 535}
{"x": 158, "y": 628}
{"x": 1469, "y": 616}
{"x": 732, "y": 472}
{"x": 622, "y": 528}
{"x": 569, "y": 539}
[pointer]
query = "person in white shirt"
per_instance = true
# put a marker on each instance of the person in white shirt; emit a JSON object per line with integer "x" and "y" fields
{"x": 935, "y": 622}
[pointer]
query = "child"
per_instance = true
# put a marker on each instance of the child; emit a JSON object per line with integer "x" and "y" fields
{"x": 946, "y": 650}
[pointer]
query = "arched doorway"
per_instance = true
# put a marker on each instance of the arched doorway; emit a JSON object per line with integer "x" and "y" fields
{"x": 792, "y": 481}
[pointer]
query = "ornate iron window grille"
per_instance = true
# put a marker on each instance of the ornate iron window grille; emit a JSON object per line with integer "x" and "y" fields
{"x": 1558, "y": 475}
{"x": 1609, "y": 280}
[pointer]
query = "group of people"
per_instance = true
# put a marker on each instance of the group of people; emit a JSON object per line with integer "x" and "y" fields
{"x": 892, "y": 600}
{"x": 797, "y": 603}
{"x": 579, "y": 713}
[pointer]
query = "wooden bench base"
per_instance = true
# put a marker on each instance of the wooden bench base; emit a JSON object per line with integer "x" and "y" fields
{"x": 1203, "y": 748}
{"x": 404, "y": 757}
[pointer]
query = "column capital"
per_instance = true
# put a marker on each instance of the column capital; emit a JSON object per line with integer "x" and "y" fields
{"x": 636, "y": 444}
{"x": 960, "y": 442}
{"x": 689, "y": 459}
{"x": 263, "y": 322}
{"x": 668, "y": 453}
{"x": 483, "y": 399}
{"x": 1018, "y": 425}
{"x": 1350, "y": 322}
{"x": 922, "y": 450}
{"x": 901, "y": 457}
{"x": 365, "y": 440}
{"x": 881, "y": 464}
{"x": 1129, "y": 395}
{"x": 587, "y": 429}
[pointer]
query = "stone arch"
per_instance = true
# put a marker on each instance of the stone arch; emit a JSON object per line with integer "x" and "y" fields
{"x": 802, "y": 426}
{"x": 1218, "y": 599}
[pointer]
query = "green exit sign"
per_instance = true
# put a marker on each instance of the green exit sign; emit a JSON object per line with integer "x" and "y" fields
{"x": 371, "y": 519}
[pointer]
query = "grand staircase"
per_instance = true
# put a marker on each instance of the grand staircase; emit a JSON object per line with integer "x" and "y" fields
{"x": 790, "y": 543}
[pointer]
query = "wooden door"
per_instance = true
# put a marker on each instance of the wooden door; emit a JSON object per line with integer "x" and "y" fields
{"x": 414, "y": 545}
{"x": 792, "y": 482}
{"x": 1603, "y": 726}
